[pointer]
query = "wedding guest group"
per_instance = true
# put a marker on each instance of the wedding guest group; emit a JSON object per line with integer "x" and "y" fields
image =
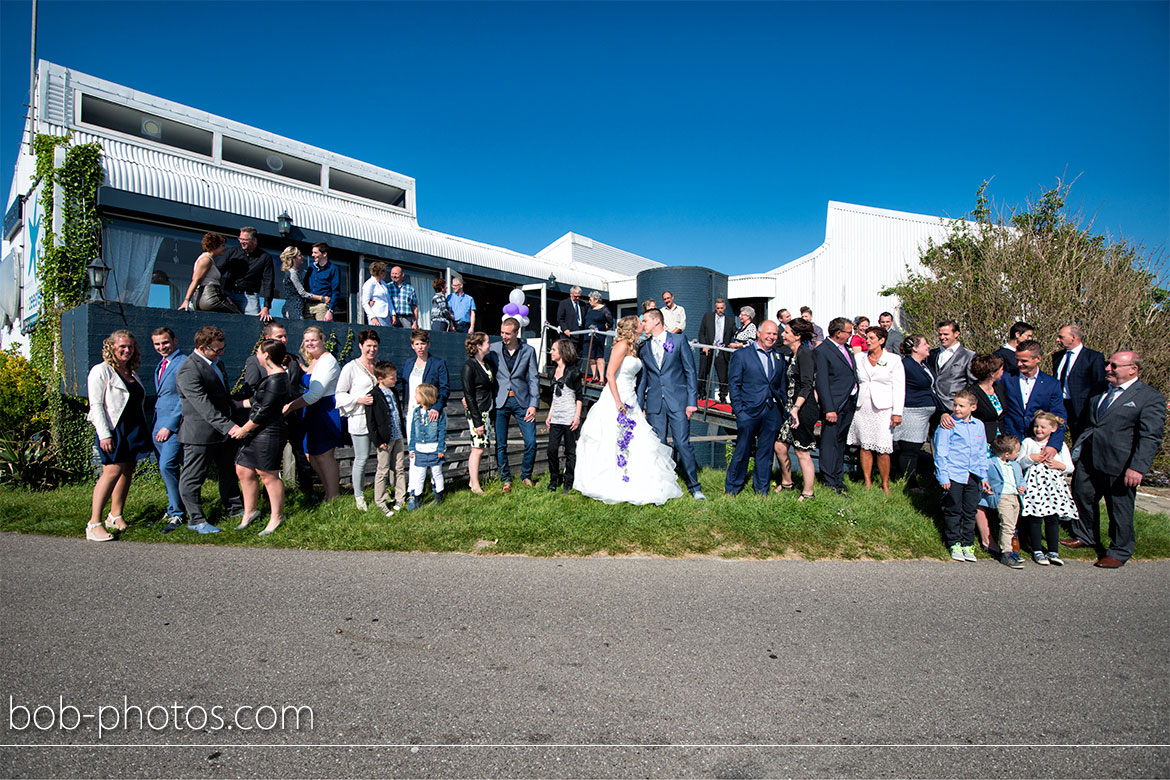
{"x": 1004, "y": 445}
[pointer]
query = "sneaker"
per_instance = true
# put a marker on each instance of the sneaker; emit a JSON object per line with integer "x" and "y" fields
{"x": 1011, "y": 560}
{"x": 1040, "y": 557}
{"x": 412, "y": 502}
{"x": 439, "y": 497}
{"x": 361, "y": 503}
{"x": 957, "y": 552}
{"x": 397, "y": 507}
{"x": 386, "y": 511}
{"x": 1054, "y": 559}
{"x": 969, "y": 553}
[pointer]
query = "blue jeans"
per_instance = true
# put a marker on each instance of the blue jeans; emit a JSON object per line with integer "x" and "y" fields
{"x": 527, "y": 432}
{"x": 249, "y": 303}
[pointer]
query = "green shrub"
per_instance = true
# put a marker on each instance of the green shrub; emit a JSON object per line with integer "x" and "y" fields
{"x": 24, "y": 407}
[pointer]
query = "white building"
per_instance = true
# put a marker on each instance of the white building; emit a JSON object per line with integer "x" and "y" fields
{"x": 174, "y": 172}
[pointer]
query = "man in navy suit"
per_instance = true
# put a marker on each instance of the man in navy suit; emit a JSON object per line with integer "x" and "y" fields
{"x": 757, "y": 379}
{"x": 571, "y": 316}
{"x": 1081, "y": 373}
{"x": 1028, "y": 393}
{"x": 718, "y": 328}
{"x": 837, "y": 392}
{"x": 517, "y": 396}
{"x": 168, "y": 413}
{"x": 1123, "y": 434}
{"x": 668, "y": 389}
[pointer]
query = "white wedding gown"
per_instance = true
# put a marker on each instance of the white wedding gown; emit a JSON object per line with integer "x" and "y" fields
{"x": 649, "y": 465}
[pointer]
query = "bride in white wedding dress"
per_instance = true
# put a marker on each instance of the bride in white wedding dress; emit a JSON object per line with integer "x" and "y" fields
{"x": 619, "y": 456}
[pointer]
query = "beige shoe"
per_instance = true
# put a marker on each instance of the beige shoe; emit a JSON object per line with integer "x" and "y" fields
{"x": 361, "y": 504}
{"x": 91, "y": 530}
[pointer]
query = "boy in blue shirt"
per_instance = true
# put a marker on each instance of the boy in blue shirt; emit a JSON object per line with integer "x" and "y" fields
{"x": 1006, "y": 479}
{"x": 960, "y": 463}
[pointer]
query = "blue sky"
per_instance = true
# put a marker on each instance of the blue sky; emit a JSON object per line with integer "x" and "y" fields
{"x": 691, "y": 133}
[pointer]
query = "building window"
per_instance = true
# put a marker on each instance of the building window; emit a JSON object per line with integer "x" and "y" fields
{"x": 131, "y": 121}
{"x": 261, "y": 159}
{"x": 366, "y": 188}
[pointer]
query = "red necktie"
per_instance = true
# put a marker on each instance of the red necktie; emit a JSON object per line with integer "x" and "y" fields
{"x": 161, "y": 368}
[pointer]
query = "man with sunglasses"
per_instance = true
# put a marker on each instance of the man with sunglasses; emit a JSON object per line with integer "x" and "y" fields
{"x": 1122, "y": 434}
{"x": 206, "y": 432}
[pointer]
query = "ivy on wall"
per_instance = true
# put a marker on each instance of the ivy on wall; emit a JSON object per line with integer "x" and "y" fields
{"x": 63, "y": 282}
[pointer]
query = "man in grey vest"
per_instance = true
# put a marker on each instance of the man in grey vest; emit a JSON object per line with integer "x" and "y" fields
{"x": 514, "y": 364}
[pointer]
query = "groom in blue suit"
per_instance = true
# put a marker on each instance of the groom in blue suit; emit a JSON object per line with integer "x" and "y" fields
{"x": 756, "y": 380}
{"x": 668, "y": 389}
{"x": 1030, "y": 391}
{"x": 168, "y": 414}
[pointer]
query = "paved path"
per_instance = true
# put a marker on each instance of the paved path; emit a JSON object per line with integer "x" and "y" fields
{"x": 583, "y": 667}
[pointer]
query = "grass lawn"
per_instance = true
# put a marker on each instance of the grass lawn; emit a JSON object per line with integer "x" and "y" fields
{"x": 533, "y": 521}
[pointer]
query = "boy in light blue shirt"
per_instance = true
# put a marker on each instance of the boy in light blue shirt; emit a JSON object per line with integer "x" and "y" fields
{"x": 960, "y": 462}
{"x": 1006, "y": 480}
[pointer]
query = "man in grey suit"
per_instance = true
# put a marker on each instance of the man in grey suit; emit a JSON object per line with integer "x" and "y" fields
{"x": 895, "y": 337}
{"x": 207, "y": 429}
{"x": 514, "y": 364}
{"x": 950, "y": 363}
{"x": 1122, "y": 435}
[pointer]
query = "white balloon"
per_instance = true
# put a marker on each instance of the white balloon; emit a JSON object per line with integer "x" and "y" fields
{"x": 523, "y": 322}
{"x": 516, "y": 296}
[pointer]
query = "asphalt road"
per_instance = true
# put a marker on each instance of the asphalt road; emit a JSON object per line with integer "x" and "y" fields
{"x": 449, "y": 665}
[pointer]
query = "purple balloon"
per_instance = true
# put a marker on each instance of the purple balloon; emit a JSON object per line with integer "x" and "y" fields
{"x": 523, "y": 310}
{"x": 511, "y": 308}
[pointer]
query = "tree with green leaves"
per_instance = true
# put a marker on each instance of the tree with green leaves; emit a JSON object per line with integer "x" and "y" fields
{"x": 1040, "y": 264}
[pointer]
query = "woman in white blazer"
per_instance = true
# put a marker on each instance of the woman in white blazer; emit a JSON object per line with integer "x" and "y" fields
{"x": 354, "y": 392}
{"x": 322, "y": 421}
{"x": 123, "y": 435}
{"x": 376, "y": 296}
{"x": 881, "y": 394}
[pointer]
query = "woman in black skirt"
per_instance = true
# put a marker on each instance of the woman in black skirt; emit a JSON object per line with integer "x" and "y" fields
{"x": 123, "y": 437}
{"x": 264, "y": 436}
{"x": 800, "y": 418}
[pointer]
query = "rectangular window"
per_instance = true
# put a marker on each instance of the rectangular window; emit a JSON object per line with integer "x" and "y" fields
{"x": 131, "y": 121}
{"x": 266, "y": 160}
{"x": 366, "y": 188}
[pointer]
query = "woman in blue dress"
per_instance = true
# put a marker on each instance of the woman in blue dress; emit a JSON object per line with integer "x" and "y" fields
{"x": 322, "y": 420}
{"x": 123, "y": 436}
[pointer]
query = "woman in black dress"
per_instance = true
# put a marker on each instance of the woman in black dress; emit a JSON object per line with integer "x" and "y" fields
{"x": 479, "y": 398}
{"x": 123, "y": 437}
{"x": 803, "y": 411}
{"x": 598, "y": 317}
{"x": 264, "y": 436}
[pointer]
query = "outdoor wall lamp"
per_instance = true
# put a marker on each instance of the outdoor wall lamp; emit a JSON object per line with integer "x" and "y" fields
{"x": 96, "y": 272}
{"x": 285, "y": 223}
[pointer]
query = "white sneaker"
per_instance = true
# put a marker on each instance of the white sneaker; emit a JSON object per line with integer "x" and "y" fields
{"x": 361, "y": 503}
{"x": 387, "y": 511}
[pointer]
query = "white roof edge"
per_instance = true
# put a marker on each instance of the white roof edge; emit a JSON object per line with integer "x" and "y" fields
{"x": 891, "y": 213}
{"x": 214, "y": 122}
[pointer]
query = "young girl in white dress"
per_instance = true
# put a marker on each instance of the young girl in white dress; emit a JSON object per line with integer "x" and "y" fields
{"x": 1047, "y": 497}
{"x": 619, "y": 457}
